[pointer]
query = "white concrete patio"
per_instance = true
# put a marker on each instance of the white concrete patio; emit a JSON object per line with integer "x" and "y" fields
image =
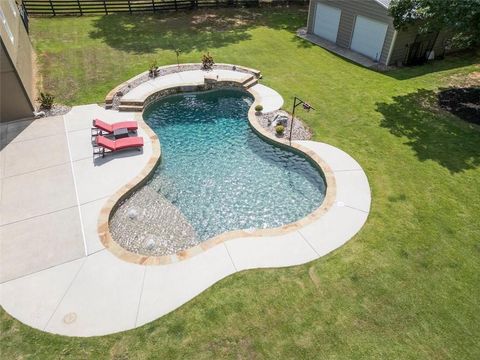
{"x": 56, "y": 275}
{"x": 343, "y": 52}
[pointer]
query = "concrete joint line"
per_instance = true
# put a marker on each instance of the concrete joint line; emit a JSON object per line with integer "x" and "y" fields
{"x": 35, "y": 138}
{"x": 65, "y": 294}
{"x": 354, "y": 208}
{"x": 82, "y": 226}
{"x": 140, "y": 297}
{"x": 32, "y": 171}
{"x": 230, "y": 256}
{"x": 39, "y": 271}
{"x": 308, "y": 242}
{"x": 36, "y": 216}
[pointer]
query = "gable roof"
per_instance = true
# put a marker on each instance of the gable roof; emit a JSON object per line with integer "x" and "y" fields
{"x": 384, "y": 3}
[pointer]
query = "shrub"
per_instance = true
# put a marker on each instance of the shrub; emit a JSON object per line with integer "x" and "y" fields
{"x": 46, "y": 100}
{"x": 153, "y": 71}
{"x": 154, "y": 65}
{"x": 207, "y": 61}
{"x": 279, "y": 129}
{"x": 258, "y": 108}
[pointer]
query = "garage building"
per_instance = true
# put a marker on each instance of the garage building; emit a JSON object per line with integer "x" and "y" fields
{"x": 365, "y": 27}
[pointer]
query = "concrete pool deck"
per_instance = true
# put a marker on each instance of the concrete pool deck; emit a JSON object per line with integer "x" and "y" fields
{"x": 57, "y": 276}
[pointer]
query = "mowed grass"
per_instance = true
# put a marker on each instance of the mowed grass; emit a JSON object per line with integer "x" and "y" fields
{"x": 406, "y": 287}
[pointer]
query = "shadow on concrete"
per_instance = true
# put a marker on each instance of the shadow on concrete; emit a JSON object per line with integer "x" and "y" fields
{"x": 432, "y": 133}
{"x": 98, "y": 160}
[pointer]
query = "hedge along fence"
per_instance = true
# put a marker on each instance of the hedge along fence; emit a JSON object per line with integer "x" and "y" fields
{"x": 81, "y": 7}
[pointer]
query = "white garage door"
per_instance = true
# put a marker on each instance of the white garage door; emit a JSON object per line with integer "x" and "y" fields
{"x": 368, "y": 37}
{"x": 327, "y": 19}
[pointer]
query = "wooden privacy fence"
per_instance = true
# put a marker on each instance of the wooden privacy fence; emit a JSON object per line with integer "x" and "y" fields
{"x": 81, "y": 7}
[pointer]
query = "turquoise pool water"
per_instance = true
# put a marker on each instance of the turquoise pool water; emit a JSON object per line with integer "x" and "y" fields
{"x": 219, "y": 173}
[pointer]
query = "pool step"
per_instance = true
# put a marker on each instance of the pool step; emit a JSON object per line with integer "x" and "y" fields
{"x": 250, "y": 83}
{"x": 248, "y": 79}
{"x": 131, "y": 102}
{"x": 132, "y": 108}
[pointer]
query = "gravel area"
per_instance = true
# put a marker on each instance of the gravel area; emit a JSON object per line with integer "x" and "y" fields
{"x": 162, "y": 72}
{"x": 300, "y": 130}
{"x": 56, "y": 110}
{"x": 148, "y": 224}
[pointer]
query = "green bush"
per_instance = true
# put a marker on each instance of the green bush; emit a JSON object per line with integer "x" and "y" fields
{"x": 279, "y": 129}
{"x": 46, "y": 100}
{"x": 153, "y": 70}
{"x": 154, "y": 65}
{"x": 258, "y": 108}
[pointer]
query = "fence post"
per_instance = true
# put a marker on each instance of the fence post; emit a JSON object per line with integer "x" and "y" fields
{"x": 24, "y": 15}
{"x": 175, "y": 1}
{"x": 153, "y": 5}
{"x": 129, "y": 7}
{"x": 53, "y": 9}
{"x": 105, "y": 7}
{"x": 24, "y": 8}
{"x": 80, "y": 7}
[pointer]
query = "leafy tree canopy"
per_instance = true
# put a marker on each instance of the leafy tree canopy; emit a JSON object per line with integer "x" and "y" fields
{"x": 460, "y": 17}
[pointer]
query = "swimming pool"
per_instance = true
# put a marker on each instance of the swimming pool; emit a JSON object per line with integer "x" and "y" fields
{"x": 216, "y": 175}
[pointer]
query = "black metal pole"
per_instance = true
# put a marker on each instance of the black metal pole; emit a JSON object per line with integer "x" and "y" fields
{"x": 293, "y": 117}
{"x": 297, "y": 101}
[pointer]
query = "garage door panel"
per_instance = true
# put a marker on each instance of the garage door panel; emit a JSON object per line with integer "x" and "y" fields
{"x": 368, "y": 37}
{"x": 327, "y": 19}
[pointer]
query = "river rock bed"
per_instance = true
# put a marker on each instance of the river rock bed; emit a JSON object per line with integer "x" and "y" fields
{"x": 55, "y": 110}
{"x": 300, "y": 130}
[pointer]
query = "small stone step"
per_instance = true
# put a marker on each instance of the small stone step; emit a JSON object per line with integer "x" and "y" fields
{"x": 131, "y": 102}
{"x": 251, "y": 83}
{"x": 247, "y": 80}
{"x": 133, "y": 108}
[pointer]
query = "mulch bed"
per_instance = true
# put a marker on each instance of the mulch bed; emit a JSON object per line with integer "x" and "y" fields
{"x": 462, "y": 102}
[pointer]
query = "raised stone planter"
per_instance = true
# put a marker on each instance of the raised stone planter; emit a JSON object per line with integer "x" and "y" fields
{"x": 113, "y": 100}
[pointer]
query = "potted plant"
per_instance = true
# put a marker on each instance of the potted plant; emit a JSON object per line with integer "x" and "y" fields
{"x": 279, "y": 130}
{"x": 259, "y": 109}
{"x": 46, "y": 101}
{"x": 178, "y": 51}
{"x": 153, "y": 71}
{"x": 207, "y": 61}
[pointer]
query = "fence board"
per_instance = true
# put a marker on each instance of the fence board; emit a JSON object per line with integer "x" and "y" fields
{"x": 80, "y": 7}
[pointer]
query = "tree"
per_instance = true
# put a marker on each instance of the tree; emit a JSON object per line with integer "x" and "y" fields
{"x": 460, "y": 17}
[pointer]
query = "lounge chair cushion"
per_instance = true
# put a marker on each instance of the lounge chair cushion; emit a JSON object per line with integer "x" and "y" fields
{"x": 119, "y": 144}
{"x": 130, "y": 125}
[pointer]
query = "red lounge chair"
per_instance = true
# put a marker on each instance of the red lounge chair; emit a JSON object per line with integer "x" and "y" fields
{"x": 105, "y": 146}
{"x": 102, "y": 128}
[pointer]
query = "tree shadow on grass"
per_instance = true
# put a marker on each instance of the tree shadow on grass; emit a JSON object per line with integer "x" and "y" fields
{"x": 432, "y": 133}
{"x": 451, "y": 61}
{"x": 199, "y": 30}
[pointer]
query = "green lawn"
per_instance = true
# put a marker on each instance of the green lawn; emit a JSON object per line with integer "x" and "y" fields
{"x": 406, "y": 287}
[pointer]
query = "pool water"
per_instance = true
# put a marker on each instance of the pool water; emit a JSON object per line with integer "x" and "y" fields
{"x": 219, "y": 173}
